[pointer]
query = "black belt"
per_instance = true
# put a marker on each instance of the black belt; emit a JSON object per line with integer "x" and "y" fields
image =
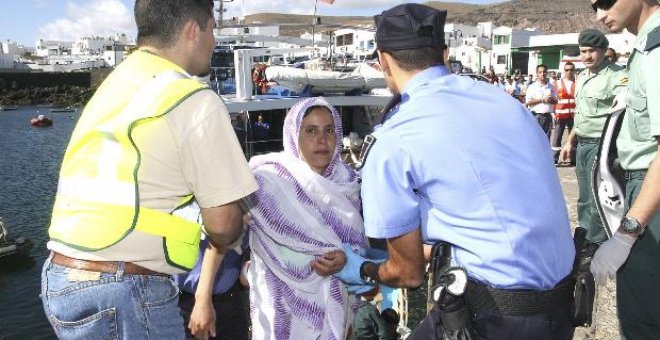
{"x": 519, "y": 301}
{"x": 540, "y": 113}
{"x": 630, "y": 174}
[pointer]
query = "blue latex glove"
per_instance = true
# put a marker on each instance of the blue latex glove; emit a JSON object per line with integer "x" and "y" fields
{"x": 359, "y": 289}
{"x": 375, "y": 255}
{"x": 350, "y": 274}
{"x": 389, "y": 297}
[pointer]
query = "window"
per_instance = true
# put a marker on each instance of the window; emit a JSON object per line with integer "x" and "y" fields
{"x": 501, "y": 59}
{"x": 501, "y": 39}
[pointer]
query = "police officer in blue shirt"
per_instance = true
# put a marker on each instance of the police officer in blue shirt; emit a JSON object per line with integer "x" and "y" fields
{"x": 460, "y": 161}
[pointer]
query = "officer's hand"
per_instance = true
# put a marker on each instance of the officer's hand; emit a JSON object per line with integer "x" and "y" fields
{"x": 329, "y": 263}
{"x": 610, "y": 256}
{"x": 350, "y": 274}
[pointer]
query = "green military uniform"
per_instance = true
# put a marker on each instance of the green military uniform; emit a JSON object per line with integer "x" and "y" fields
{"x": 638, "y": 279}
{"x": 368, "y": 324}
{"x": 594, "y": 94}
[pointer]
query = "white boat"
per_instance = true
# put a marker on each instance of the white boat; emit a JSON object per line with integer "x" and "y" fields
{"x": 360, "y": 112}
{"x": 363, "y": 78}
{"x": 8, "y": 108}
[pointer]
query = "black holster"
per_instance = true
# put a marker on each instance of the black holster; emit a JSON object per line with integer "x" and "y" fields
{"x": 585, "y": 285}
{"x": 455, "y": 320}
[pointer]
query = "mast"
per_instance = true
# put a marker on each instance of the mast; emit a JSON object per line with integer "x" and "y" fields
{"x": 316, "y": 2}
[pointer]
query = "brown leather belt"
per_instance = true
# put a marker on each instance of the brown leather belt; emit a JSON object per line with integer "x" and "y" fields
{"x": 109, "y": 267}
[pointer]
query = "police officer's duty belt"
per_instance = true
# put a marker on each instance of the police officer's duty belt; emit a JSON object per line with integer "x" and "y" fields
{"x": 519, "y": 301}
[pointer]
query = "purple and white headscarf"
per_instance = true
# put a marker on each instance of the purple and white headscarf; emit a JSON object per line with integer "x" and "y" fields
{"x": 299, "y": 215}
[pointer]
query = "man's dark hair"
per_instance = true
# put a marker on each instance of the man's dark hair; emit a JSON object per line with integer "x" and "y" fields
{"x": 568, "y": 63}
{"x": 541, "y": 66}
{"x": 159, "y": 22}
{"x": 419, "y": 58}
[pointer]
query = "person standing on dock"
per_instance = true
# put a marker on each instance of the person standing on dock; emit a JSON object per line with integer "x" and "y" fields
{"x": 149, "y": 142}
{"x": 633, "y": 253}
{"x": 596, "y": 88}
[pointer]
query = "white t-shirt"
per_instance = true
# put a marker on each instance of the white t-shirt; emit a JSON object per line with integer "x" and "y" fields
{"x": 537, "y": 90}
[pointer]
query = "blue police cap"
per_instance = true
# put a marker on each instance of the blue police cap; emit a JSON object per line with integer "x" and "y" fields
{"x": 410, "y": 26}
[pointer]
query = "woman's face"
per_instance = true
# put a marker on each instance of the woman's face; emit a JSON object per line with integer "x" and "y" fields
{"x": 317, "y": 139}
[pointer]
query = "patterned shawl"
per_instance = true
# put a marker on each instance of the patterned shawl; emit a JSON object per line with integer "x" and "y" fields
{"x": 299, "y": 215}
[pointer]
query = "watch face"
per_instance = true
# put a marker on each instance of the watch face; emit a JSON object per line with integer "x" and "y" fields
{"x": 631, "y": 225}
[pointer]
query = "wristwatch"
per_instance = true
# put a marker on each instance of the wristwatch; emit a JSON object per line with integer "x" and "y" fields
{"x": 363, "y": 273}
{"x": 630, "y": 225}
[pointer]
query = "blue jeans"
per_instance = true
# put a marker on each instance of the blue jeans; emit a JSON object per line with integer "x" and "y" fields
{"x": 93, "y": 305}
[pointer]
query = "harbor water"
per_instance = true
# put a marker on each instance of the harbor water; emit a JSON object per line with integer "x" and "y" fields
{"x": 29, "y": 163}
{"x": 30, "y": 158}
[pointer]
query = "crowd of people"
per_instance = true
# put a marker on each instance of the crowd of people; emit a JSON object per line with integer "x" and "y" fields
{"x": 157, "y": 206}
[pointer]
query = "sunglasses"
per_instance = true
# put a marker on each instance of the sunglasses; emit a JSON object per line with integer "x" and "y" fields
{"x": 603, "y": 5}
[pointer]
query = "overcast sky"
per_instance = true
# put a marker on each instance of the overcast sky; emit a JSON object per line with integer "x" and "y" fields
{"x": 25, "y": 21}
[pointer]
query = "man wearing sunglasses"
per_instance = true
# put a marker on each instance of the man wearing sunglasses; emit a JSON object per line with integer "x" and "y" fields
{"x": 595, "y": 90}
{"x": 564, "y": 109}
{"x": 633, "y": 253}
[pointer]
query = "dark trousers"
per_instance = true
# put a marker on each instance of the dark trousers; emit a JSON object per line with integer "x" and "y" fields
{"x": 557, "y": 133}
{"x": 231, "y": 313}
{"x": 587, "y": 211}
{"x": 638, "y": 280}
{"x": 490, "y": 325}
{"x": 545, "y": 121}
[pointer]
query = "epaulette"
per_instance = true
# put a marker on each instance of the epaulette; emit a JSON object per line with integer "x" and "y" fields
{"x": 653, "y": 39}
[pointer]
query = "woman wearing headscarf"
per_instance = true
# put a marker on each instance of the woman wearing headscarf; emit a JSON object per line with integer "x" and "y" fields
{"x": 307, "y": 206}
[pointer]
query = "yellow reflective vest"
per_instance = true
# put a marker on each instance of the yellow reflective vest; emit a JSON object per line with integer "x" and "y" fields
{"x": 97, "y": 202}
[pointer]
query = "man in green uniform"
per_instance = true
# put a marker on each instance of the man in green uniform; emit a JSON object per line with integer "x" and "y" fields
{"x": 595, "y": 90}
{"x": 633, "y": 253}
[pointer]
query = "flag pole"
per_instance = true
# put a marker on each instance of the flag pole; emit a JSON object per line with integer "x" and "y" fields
{"x": 316, "y": 2}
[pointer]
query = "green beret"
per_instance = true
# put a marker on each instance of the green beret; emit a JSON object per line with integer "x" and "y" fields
{"x": 593, "y": 38}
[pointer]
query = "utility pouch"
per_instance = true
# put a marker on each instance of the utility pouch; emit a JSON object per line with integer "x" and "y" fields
{"x": 585, "y": 285}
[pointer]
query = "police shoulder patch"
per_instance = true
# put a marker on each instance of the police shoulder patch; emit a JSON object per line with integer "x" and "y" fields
{"x": 653, "y": 39}
{"x": 367, "y": 144}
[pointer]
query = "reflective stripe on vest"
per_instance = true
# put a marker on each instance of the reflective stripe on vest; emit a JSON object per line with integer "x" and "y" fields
{"x": 97, "y": 202}
{"x": 565, "y": 107}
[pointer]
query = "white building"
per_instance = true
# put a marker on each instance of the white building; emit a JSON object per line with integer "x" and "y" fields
{"x": 470, "y": 44}
{"x": 505, "y": 58}
{"x": 352, "y": 43}
{"x": 45, "y": 48}
{"x": 554, "y": 50}
{"x": 91, "y": 45}
{"x": 9, "y": 52}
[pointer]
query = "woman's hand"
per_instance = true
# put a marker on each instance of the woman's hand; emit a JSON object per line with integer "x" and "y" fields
{"x": 330, "y": 263}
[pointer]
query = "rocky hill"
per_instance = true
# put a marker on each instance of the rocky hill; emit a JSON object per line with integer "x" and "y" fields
{"x": 551, "y": 16}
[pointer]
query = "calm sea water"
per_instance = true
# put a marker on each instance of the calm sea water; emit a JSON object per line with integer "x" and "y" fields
{"x": 29, "y": 164}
